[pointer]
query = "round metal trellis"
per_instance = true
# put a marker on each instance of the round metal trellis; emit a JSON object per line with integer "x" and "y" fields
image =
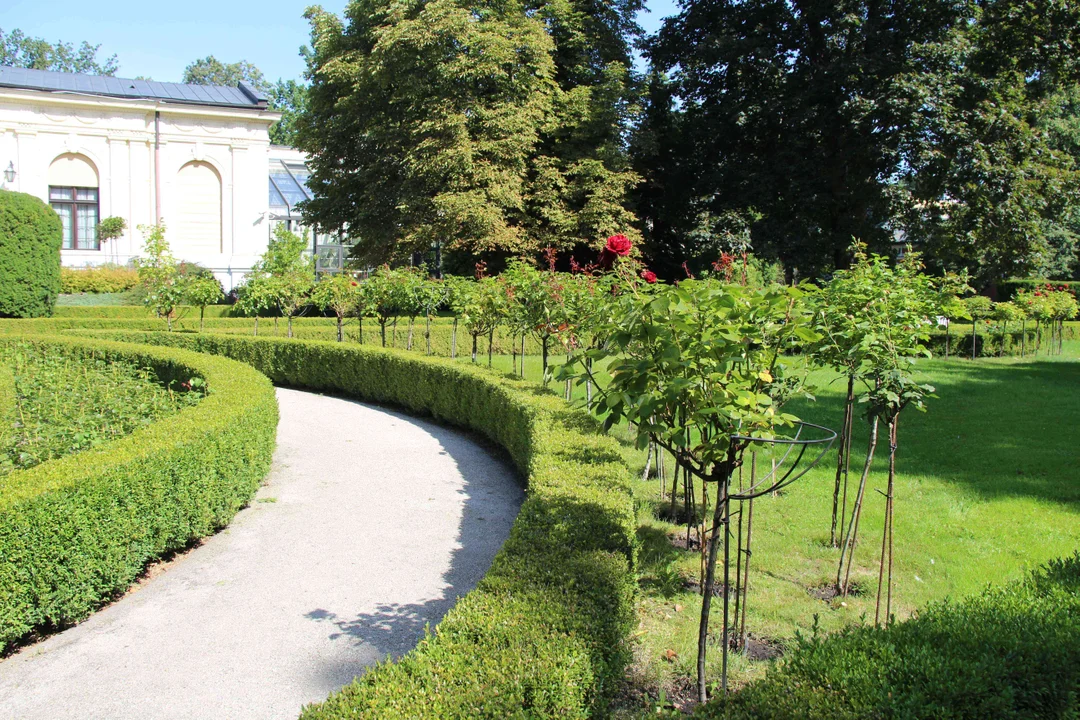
{"x": 808, "y": 438}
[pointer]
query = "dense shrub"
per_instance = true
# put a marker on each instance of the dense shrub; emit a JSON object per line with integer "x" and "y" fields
{"x": 100, "y": 279}
{"x": 1012, "y": 652}
{"x": 30, "y": 238}
{"x": 545, "y": 634}
{"x": 76, "y": 530}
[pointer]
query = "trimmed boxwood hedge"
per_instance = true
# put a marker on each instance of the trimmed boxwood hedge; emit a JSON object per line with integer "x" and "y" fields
{"x": 30, "y": 239}
{"x": 1012, "y": 652}
{"x": 546, "y": 632}
{"x": 77, "y": 530}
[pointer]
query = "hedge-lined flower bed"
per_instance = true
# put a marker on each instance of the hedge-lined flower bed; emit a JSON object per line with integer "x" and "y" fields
{"x": 77, "y": 530}
{"x": 1012, "y": 652}
{"x": 545, "y": 634}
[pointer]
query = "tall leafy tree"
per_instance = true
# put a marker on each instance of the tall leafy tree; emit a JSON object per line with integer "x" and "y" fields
{"x": 824, "y": 121}
{"x": 211, "y": 71}
{"x": 288, "y": 97}
{"x": 17, "y": 49}
{"x": 480, "y": 126}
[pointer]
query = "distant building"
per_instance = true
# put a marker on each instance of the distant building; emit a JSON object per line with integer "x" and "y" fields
{"x": 195, "y": 157}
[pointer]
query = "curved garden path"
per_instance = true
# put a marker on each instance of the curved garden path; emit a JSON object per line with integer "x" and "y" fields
{"x": 370, "y": 525}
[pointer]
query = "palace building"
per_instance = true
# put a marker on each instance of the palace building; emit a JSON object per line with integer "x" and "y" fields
{"x": 197, "y": 158}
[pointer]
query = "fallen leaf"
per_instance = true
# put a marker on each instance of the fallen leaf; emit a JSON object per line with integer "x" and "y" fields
{"x": 670, "y": 655}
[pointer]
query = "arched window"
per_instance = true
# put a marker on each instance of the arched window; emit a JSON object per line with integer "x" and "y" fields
{"x": 197, "y": 221}
{"x": 73, "y": 193}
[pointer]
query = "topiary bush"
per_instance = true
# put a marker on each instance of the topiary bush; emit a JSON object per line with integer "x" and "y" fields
{"x": 30, "y": 238}
{"x": 546, "y": 632}
{"x": 77, "y": 530}
{"x": 1012, "y": 652}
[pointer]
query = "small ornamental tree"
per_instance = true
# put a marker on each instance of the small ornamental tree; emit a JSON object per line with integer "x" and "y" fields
{"x": 978, "y": 307}
{"x": 159, "y": 273}
{"x": 289, "y": 272}
{"x": 459, "y": 291}
{"x": 431, "y": 295}
{"x": 340, "y": 294}
{"x": 382, "y": 295}
{"x": 698, "y": 369}
{"x": 111, "y": 228}
{"x": 1005, "y": 313}
{"x": 484, "y": 311}
{"x": 202, "y": 290}
{"x": 897, "y": 322}
{"x": 255, "y": 296}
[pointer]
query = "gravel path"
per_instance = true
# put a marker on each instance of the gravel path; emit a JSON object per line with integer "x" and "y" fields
{"x": 370, "y": 525}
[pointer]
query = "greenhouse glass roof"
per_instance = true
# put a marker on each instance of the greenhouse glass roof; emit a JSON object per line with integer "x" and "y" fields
{"x": 288, "y": 186}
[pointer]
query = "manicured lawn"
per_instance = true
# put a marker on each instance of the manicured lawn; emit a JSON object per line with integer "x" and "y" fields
{"x": 988, "y": 487}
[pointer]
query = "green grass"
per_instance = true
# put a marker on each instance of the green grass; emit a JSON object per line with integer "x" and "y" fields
{"x": 988, "y": 489}
{"x": 93, "y": 300}
{"x": 63, "y": 405}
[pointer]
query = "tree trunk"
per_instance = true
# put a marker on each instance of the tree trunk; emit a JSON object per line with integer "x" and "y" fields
{"x": 256, "y": 326}
{"x": 523, "y": 356}
{"x": 288, "y": 325}
{"x": 946, "y": 338}
{"x": 427, "y": 334}
{"x": 887, "y": 534}
{"x": 1023, "y": 337}
{"x": 453, "y": 341}
{"x": 974, "y": 326}
{"x": 382, "y": 331}
{"x": 720, "y": 518}
{"x": 393, "y": 333}
{"x": 202, "y": 315}
{"x": 168, "y": 321}
{"x": 848, "y": 547}
{"x": 360, "y": 328}
{"x": 544, "y": 358}
{"x": 749, "y": 554}
{"x": 491, "y": 341}
{"x": 408, "y": 341}
{"x": 474, "y": 336}
{"x": 340, "y": 329}
{"x": 840, "y": 474}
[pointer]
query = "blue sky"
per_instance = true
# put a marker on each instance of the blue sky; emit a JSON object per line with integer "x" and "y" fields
{"x": 158, "y": 39}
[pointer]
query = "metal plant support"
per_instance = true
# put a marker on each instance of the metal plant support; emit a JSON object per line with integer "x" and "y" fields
{"x": 784, "y": 472}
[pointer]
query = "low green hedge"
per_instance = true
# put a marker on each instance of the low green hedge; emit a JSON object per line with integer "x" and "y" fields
{"x": 135, "y": 312}
{"x": 76, "y": 531}
{"x": 989, "y": 341}
{"x": 1012, "y": 652}
{"x": 307, "y": 328}
{"x": 545, "y": 634}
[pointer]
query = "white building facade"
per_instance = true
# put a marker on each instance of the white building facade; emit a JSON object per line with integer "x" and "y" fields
{"x": 192, "y": 157}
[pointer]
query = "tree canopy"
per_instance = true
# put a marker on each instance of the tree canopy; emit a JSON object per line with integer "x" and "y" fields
{"x": 17, "y": 49}
{"x": 481, "y": 127}
{"x": 813, "y": 123}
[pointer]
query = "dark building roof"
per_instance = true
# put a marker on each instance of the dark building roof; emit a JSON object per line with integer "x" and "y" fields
{"x": 243, "y": 95}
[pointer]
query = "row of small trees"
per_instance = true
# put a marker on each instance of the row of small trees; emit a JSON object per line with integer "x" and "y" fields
{"x": 1045, "y": 309}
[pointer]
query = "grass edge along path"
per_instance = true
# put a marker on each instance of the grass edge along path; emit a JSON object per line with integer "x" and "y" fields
{"x": 77, "y": 530}
{"x": 546, "y": 633}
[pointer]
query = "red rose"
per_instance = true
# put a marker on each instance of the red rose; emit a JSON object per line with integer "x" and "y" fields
{"x": 648, "y": 276}
{"x": 354, "y": 283}
{"x": 619, "y": 245}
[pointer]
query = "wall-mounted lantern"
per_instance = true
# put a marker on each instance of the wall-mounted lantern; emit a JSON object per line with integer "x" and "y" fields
{"x": 9, "y": 173}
